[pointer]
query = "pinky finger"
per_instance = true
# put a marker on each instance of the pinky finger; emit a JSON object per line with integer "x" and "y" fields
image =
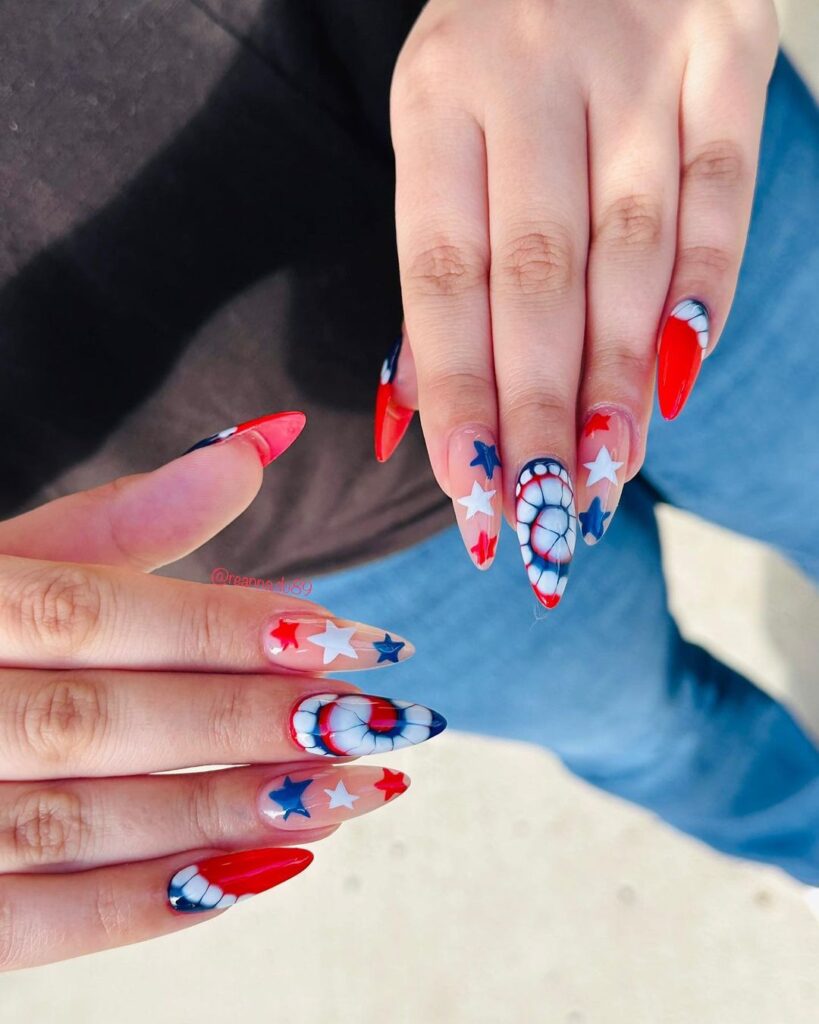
{"x": 721, "y": 120}
{"x": 45, "y": 918}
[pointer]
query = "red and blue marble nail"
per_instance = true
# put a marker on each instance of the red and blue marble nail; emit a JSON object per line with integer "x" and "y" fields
{"x": 219, "y": 882}
{"x": 546, "y": 526}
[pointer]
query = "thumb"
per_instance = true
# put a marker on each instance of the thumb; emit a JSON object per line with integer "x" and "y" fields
{"x": 149, "y": 520}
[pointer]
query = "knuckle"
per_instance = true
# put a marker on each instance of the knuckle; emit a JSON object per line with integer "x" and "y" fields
{"x": 57, "y": 608}
{"x": 425, "y": 65}
{"x": 8, "y": 938}
{"x": 63, "y": 718}
{"x": 445, "y": 269}
{"x": 538, "y": 263}
{"x": 205, "y": 809}
{"x": 110, "y": 913}
{"x": 704, "y": 261}
{"x": 47, "y": 827}
{"x": 458, "y": 390}
{"x": 631, "y": 224}
{"x": 541, "y": 405}
{"x": 230, "y": 719}
{"x": 720, "y": 164}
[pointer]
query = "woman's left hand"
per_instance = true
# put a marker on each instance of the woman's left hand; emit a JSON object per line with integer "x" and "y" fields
{"x": 570, "y": 176}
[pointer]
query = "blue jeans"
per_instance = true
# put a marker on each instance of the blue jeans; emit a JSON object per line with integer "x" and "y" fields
{"x": 607, "y": 682}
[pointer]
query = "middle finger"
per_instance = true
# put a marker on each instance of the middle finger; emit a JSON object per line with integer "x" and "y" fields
{"x": 98, "y": 723}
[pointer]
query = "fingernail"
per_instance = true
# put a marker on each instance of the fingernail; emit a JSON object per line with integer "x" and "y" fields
{"x": 304, "y": 799}
{"x": 219, "y": 882}
{"x": 313, "y": 643}
{"x": 391, "y": 419}
{"x": 602, "y": 458}
{"x": 271, "y": 434}
{"x": 547, "y": 526}
{"x": 355, "y": 724}
{"x": 475, "y": 480}
{"x": 682, "y": 349}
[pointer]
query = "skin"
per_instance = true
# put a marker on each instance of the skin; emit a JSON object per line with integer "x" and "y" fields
{"x": 566, "y": 173}
{"x": 107, "y": 674}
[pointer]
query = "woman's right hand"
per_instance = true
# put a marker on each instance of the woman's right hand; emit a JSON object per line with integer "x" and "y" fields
{"x": 109, "y": 674}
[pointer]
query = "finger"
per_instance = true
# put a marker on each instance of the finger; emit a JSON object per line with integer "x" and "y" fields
{"x": 54, "y": 917}
{"x": 443, "y": 251}
{"x": 634, "y": 164}
{"x": 55, "y": 614}
{"x": 148, "y": 520}
{"x": 396, "y": 399}
{"x": 721, "y": 117}
{"x": 80, "y": 823}
{"x": 539, "y": 227}
{"x": 66, "y": 724}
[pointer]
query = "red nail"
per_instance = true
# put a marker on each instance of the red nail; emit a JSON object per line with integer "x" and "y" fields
{"x": 682, "y": 348}
{"x": 219, "y": 882}
{"x": 391, "y": 419}
{"x": 272, "y": 434}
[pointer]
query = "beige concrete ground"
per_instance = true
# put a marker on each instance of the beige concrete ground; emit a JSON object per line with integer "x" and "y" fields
{"x": 582, "y": 911}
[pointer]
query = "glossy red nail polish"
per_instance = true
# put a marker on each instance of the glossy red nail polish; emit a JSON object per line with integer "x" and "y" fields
{"x": 683, "y": 344}
{"x": 219, "y": 882}
{"x": 392, "y": 420}
{"x": 272, "y": 434}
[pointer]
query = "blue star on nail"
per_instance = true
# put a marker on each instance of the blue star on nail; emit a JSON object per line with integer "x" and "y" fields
{"x": 289, "y": 797}
{"x": 388, "y": 648}
{"x": 593, "y": 520}
{"x": 487, "y": 456}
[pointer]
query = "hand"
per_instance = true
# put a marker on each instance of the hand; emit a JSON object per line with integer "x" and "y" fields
{"x": 109, "y": 674}
{"x": 570, "y": 176}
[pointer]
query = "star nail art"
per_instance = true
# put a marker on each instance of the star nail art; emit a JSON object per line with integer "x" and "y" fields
{"x": 603, "y": 450}
{"x": 311, "y": 799}
{"x": 314, "y": 643}
{"x": 475, "y": 482}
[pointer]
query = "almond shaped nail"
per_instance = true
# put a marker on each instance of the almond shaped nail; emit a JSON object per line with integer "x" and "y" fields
{"x": 272, "y": 434}
{"x": 305, "y": 799}
{"x": 315, "y": 643}
{"x": 602, "y": 458}
{"x": 476, "y": 483}
{"x": 357, "y": 724}
{"x": 392, "y": 419}
{"x": 219, "y": 882}
{"x": 546, "y": 526}
{"x": 683, "y": 344}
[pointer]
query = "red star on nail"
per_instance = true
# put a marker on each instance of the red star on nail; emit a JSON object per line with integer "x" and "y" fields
{"x": 285, "y": 633}
{"x": 599, "y": 421}
{"x": 393, "y": 784}
{"x": 485, "y": 547}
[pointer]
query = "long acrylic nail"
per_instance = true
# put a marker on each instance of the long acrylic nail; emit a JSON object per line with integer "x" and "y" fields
{"x": 683, "y": 344}
{"x": 355, "y": 724}
{"x": 305, "y": 799}
{"x": 219, "y": 882}
{"x": 271, "y": 434}
{"x": 315, "y": 643}
{"x": 602, "y": 458}
{"x": 547, "y": 526}
{"x": 392, "y": 420}
{"x": 476, "y": 483}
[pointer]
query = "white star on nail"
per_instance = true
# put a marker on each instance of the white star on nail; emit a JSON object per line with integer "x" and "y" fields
{"x": 478, "y": 501}
{"x": 603, "y": 468}
{"x": 335, "y": 640}
{"x": 339, "y": 797}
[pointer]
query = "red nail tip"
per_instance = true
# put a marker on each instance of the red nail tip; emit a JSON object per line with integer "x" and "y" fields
{"x": 392, "y": 420}
{"x": 278, "y": 432}
{"x": 219, "y": 882}
{"x": 682, "y": 347}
